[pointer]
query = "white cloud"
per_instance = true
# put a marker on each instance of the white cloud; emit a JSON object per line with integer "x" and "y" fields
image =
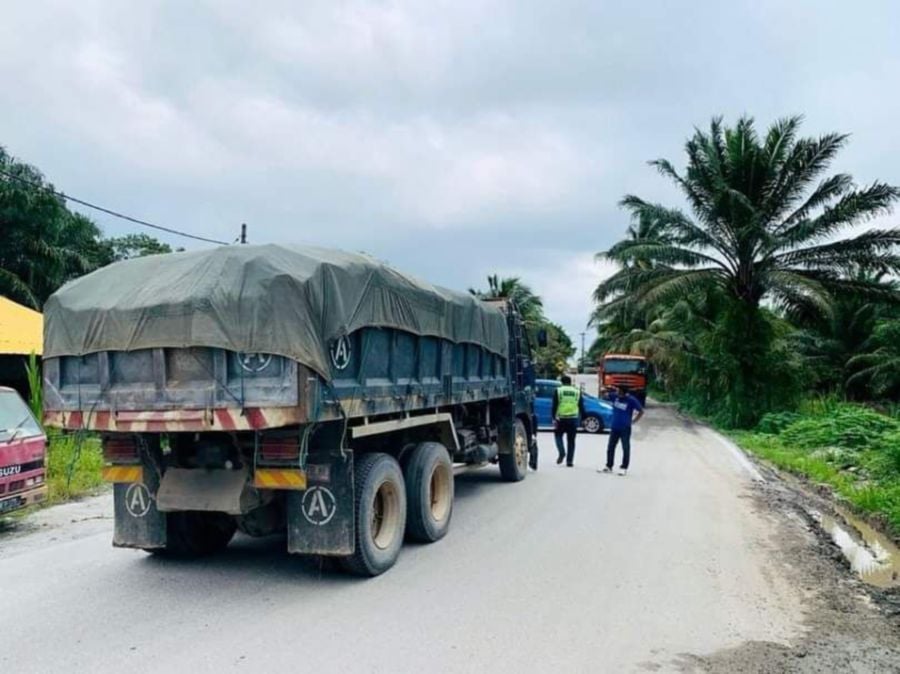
{"x": 454, "y": 138}
{"x": 564, "y": 282}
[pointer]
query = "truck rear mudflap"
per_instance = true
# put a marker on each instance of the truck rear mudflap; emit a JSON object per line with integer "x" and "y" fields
{"x": 318, "y": 502}
{"x": 138, "y": 522}
{"x": 320, "y": 520}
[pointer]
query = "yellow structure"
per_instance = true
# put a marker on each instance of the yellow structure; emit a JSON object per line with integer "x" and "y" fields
{"x": 21, "y": 329}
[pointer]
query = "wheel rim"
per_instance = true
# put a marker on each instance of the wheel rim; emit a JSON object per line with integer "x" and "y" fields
{"x": 592, "y": 424}
{"x": 385, "y": 515}
{"x": 440, "y": 493}
{"x": 521, "y": 449}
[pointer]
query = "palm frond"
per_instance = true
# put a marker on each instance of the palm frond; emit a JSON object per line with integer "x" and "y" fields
{"x": 12, "y": 286}
{"x": 870, "y": 250}
{"x": 852, "y": 208}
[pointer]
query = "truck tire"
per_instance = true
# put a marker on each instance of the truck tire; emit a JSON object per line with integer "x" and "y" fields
{"x": 195, "y": 534}
{"x": 514, "y": 467}
{"x": 592, "y": 423}
{"x": 380, "y": 510}
{"x": 429, "y": 492}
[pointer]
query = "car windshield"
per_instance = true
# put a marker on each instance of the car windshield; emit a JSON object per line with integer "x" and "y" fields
{"x": 625, "y": 366}
{"x": 15, "y": 417}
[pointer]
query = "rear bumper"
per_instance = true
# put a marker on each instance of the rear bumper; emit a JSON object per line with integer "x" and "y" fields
{"x": 10, "y": 502}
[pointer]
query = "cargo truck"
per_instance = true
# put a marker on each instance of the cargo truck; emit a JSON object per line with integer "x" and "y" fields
{"x": 22, "y": 454}
{"x": 623, "y": 369}
{"x": 286, "y": 389}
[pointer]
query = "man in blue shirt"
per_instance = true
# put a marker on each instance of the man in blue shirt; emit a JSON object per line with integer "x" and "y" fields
{"x": 624, "y": 406}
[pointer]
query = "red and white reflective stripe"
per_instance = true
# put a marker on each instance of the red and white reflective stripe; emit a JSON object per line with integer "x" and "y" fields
{"x": 229, "y": 419}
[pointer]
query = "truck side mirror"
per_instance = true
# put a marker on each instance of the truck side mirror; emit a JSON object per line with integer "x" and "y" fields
{"x": 542, "y": 337}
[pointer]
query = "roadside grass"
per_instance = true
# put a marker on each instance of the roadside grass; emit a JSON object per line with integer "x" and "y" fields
{"x": 73, "y": 466}
{"x": 660, "y": 394}
{"x": 850, "y": 448}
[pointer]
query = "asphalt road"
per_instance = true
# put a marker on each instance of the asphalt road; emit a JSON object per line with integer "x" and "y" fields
{"x": 569, "y": 570}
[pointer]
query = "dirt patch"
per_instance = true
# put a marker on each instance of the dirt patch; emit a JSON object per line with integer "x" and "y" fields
{"x": 850, "y": 626}
{"x": 67, "y": 521}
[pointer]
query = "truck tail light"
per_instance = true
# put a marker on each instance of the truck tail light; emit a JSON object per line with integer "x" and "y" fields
{"x": 279, "y": 449}
{"x": 120, "y": 449}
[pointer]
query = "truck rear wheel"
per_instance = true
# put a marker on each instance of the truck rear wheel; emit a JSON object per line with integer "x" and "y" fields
{"x": 514, "y": 466}
{"x": 380, "y": 511}
{"x": 195, "y": 534}
{"x": 429, "y": 492}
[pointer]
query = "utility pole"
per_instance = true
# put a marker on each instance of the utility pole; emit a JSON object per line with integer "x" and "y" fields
{"x": 581, "y": 368}
{"x": 243, "y": 232}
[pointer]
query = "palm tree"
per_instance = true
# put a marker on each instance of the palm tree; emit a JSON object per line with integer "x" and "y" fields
{"x": 753, "y": 233}
{"x": 761, "y": 230}
{"x": 43, "y": 244}
{"x": 530, "y": 305}
{"x": 879, "y": 366}
{"x": 616, "y": 321}
{"x": 829, "y": 341}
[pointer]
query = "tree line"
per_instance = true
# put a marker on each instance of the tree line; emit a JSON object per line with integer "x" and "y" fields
{"x": 765, "y": 289}
{"x": 43, "y": 243}
{"x": 551, "y": 359}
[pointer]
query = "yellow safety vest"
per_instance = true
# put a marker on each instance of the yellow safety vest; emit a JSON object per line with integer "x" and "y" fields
{"x": 568, "y": 402}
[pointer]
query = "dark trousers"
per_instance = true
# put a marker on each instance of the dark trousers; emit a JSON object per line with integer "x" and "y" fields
{"x": 569, "y": 428}
{"x": 623, "y": 434}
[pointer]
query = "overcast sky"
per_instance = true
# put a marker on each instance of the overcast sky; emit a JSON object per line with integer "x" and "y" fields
{"x": 452, "y": 139}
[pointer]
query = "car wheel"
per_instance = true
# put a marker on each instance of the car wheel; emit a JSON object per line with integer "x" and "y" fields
{"x": 592, "y": 424}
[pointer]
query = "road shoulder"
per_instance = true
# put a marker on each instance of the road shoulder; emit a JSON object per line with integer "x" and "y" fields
{"x": 849, "y": 624}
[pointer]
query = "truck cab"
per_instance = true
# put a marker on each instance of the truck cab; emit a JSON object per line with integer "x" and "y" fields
{"x": 22, "y": 454}
{"x": 624, "y": 369}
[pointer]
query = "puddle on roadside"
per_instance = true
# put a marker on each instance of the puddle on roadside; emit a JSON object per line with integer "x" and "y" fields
{"x": 872, "y": 556}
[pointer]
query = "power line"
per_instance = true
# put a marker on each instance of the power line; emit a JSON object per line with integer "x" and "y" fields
{"x": 63, "y": 195}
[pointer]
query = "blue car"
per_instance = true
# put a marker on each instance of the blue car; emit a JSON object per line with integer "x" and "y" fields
{"x": 597, "y": 413}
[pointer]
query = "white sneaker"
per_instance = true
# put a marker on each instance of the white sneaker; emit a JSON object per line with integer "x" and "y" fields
{"x": 623, "y": 472}
{"x": 604, "y": 469}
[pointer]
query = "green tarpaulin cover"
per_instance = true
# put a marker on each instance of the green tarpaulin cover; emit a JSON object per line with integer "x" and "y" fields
{"x": 287, "y": 300}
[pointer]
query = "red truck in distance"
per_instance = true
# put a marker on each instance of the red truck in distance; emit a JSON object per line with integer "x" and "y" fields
{"x": 622, "y": 369}
{"x": 22, "y": 454}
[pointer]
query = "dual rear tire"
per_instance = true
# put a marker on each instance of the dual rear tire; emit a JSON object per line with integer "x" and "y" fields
{"x": 391, "y": 504}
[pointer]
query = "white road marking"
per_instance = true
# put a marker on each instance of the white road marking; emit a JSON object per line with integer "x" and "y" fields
{"x": 739, "y": 456}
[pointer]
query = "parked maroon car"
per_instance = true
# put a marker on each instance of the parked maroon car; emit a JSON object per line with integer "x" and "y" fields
{"x": 22, "y": 454}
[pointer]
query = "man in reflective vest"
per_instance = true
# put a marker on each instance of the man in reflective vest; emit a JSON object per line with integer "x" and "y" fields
{"x": 568, "y": 406}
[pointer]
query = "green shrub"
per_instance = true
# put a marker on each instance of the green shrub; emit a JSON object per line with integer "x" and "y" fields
{"x": 820, "y": 405}
{"x": 73, "y": 465}
{"x": 848, "y": 427}
{"x": 852, "y": 448}
{"x": 775, "y": 422}
{"x": 35, "y": 387}
{"x": 888, "y": 446}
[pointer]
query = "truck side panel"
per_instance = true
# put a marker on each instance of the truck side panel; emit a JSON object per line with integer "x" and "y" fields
{"x": 374, "y": 371}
